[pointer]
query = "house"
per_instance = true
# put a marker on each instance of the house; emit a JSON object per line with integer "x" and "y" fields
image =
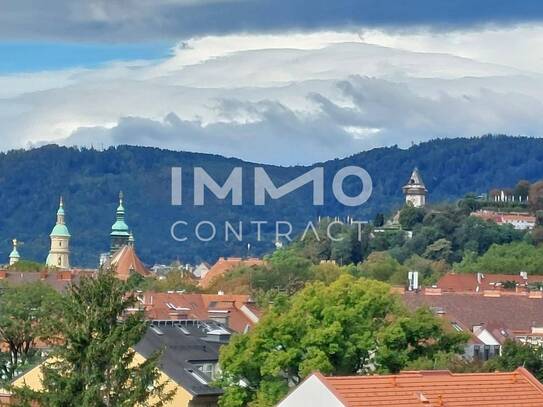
{"x": 201, "y": 270}
{"x": 479, "y": 282}
{"x": 236, "y": 312}
{"x": 519, "y": 220}
{"x": 58, "y": 280}
{"x": 489, "y": 317}
{"x": 419, "y": 388}
{"x": 224, "y": 265}
{"x": 188, "y": 363}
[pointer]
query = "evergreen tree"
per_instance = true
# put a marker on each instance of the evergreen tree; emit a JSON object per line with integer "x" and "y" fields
{"x": 95, "y": 365}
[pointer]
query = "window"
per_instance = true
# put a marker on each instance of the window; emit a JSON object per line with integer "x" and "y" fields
{"x": 208, "y": 369}
{"x": 476, "y": 352}
{"x": 59, "y": 244}
{"x": 487, "y": 352}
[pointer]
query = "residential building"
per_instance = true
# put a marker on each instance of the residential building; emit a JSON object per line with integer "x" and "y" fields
{"x": 236, "y": 312}
{"x": 201, "y": 270}
{"x": 519, "y": 220}
{"x": 490, "y": 317}
{"x": 479, "y": 282}
{"x": 57, "y": 279}
{"x": 419, "y": 388}
{"x": 188, "y": 363}
{"x": 224, "y": 265}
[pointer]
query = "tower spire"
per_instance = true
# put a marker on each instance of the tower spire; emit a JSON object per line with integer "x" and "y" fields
{"x": 120, "y": 232}
{"x": 14, "y": 256}
{"x": 59, "y": 255}
{"x": 415, "y": 191}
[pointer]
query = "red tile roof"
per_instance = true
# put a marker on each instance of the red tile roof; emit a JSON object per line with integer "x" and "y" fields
{"x": 58, "y": 280}
{"x": 464, "y": 282}
{"x": 125, "y": 261}
{"x": 508, "y": 313}
{"x": 438, "y": 388}
{"x": 223, "y": 266}
{"x": 504, "y": 217}
{"x": 239, "y": 309}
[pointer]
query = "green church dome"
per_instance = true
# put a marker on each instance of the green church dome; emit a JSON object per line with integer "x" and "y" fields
{"x": 120, "y": 228}
{"x": 60, "y": 231}
{"x": 14, "y": 254}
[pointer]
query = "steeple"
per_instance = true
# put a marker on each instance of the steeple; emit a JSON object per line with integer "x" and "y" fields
{"x": 59, "y": 255}
{"x": 14, "y": 256}
{"x": 120, "y": 232}
{"x": 415, "y": 191}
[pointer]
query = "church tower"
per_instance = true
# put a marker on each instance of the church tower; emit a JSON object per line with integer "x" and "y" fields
{"x": 415, "y": 191}
{"x": 14, "y": 256}
{"x": 59, "y": 255}
{"x": 120, "y": 233}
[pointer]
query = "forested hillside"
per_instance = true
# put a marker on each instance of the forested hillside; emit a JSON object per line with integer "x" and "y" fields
{"x": 32, "y": 180}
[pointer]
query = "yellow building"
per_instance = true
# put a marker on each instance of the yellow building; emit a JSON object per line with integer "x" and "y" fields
{"x": 188, "y": 365}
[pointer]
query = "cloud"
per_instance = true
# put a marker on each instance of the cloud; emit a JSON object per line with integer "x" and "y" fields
{"x": 134, "y": 20}
{"x": 382, "y": 113}
{"x": 285, "y": 99}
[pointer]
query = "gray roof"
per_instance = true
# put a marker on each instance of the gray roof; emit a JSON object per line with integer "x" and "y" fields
{"x": 198, "y": 342}
{"x": 416, "y": 178}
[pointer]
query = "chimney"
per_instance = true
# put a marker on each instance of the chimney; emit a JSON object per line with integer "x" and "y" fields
{"x": 432, "y": 291}
{"x": 492, "y": 293}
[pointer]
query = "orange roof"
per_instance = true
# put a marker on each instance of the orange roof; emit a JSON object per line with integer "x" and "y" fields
{"x": 504, "y": 217}
{"x": 438, "y": 388}
{"x": 239, "y": 310}
{"x": 223, "y": 265}
{"x": 458, "y": 282}
{"x": 126, "y": 261}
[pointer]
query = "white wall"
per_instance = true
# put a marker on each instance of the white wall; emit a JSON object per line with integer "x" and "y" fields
{"x": 311, "y": 393}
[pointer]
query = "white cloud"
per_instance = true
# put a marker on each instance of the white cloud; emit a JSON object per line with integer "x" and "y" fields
{"x": 287, "y": 98}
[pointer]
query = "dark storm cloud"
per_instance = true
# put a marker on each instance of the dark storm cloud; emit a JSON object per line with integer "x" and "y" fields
{"x": 134, "y": 20}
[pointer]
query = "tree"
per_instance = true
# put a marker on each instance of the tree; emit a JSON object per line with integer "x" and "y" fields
{"x": 502, "y": 259}
{"x": 351, "y": 326}
{"x": 469, "y": 204}
{"x": 24, "y": 312}
{"x": 382, "y": 266}
{"x": 95, "y": 365}
{"x": 522, "y": 189}
{"x": 439, "y": 250}
{"x": 515, "y": 354}
{"x": 536, "y": 196}
{"x": 379, "y": 220}
{"x": 410, "y": 216}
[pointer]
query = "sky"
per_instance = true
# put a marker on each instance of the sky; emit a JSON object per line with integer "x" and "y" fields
{"x": 275, "y": 81}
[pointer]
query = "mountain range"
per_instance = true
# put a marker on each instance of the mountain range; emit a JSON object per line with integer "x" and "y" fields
{"x": 31, "y": 182}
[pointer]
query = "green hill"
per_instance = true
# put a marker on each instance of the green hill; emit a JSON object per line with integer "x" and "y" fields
{"x": 32, "y": 180}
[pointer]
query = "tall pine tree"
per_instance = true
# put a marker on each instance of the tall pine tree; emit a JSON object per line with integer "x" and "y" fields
{"x": 95, "y": 366}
